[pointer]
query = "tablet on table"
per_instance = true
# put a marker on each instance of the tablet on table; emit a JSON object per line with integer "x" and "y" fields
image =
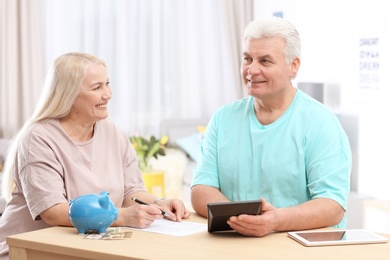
{"x": 336, "y": 237}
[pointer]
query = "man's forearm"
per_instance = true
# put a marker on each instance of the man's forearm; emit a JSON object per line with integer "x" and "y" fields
{"x": 201, "y": 195}
{"x": 316, "y": 213}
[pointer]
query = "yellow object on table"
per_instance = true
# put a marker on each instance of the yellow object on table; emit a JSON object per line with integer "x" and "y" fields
{"x": 154, "y": 183}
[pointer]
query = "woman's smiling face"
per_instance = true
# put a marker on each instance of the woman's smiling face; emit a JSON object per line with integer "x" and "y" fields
{"x": 91, "y": 103}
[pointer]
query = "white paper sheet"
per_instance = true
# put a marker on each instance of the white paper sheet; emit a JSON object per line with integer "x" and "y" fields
{"x": 168, "y": 227}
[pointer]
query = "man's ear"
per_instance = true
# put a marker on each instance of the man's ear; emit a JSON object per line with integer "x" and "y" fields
{"x": 294, "y": 67}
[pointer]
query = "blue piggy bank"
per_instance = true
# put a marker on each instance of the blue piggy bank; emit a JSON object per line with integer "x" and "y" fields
{"x": 92, "y": 212}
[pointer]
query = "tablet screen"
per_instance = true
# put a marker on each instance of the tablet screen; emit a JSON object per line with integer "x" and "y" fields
{"x": 337, "y": 237}
{"x": 219, "y": 213}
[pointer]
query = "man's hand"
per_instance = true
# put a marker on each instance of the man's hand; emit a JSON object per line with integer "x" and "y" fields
{"x": 256, "y": 225}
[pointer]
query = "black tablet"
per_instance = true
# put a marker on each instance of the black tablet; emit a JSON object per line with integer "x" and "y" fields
{"x": 336, "y": 237}
{"x": 219, "y": 213}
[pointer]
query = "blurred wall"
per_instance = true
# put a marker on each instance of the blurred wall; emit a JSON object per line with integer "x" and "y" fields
{"x": 345, "y": 44}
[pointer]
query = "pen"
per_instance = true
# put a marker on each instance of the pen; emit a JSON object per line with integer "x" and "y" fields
{"x": 144, "y": 203}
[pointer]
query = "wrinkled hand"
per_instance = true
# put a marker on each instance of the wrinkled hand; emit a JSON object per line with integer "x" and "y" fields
{"x": 256, "y": 226}
{"x": 175, "y": 208}
{"x": 141, "y": 216}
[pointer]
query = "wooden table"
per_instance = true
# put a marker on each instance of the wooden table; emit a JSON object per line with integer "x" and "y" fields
{"x": 65, "y": 243}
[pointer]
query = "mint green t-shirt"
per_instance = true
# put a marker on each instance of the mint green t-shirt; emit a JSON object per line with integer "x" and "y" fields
{"x": 303, "y": 155}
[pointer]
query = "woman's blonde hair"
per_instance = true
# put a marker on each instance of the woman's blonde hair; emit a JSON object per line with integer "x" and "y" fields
{"x": 62, "y": 86}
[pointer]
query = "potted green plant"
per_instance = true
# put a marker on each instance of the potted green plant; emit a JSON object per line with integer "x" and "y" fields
{"x": 148, "y": 148}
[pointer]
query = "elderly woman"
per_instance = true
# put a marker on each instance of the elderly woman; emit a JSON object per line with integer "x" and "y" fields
{"x": 69, "y": 148}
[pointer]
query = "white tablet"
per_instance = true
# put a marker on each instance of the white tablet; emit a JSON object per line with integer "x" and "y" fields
{"x": 336, "y": 237}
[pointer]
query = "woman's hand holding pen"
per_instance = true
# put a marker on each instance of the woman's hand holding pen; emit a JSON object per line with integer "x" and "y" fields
{"x": 138, "y": 215}
{"x": 144, "y": 203}
{"x": 175, "y": 208}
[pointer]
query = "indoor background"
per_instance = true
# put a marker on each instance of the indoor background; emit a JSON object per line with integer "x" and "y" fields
{"x": 180, "y": 59}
